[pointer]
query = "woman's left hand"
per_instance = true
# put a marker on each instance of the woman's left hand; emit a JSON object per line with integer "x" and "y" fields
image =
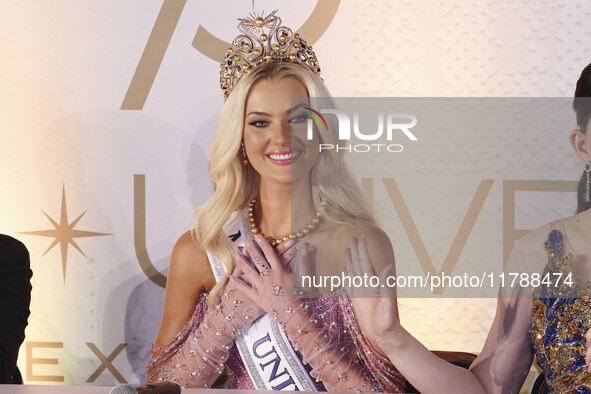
{"x": 375, "y": 307}
{"x": 269, "y": 282}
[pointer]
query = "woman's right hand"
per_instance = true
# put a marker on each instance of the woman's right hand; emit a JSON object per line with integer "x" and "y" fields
{"x": 375, "y": 307}
{"x": 240, "y": 296}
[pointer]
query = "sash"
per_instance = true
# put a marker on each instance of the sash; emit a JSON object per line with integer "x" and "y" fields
{"x": 271, "y": 362}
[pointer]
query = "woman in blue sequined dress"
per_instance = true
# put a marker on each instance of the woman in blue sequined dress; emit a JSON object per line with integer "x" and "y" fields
{"x": 549, "y": 321}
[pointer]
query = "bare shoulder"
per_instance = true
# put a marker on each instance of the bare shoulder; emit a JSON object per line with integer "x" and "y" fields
{"x": 528, "y": 253}
{"x": 378, "y": 243}
{"x": 370, "y": 231}
{"x": 189, "y": 263}
{"x": 537, "y": 237}
{"x": 186, "y": 247}
{"x": 189, "y": 275}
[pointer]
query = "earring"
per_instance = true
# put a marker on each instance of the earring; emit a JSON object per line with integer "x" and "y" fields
{"x": 245, "y": 160}
{"x": 587, "y": 169}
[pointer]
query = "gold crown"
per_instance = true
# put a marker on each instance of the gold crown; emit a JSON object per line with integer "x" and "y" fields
{"x": 264, "y": 40}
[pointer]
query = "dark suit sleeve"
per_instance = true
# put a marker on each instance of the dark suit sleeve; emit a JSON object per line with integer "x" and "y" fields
{"x": 15, "y": 297}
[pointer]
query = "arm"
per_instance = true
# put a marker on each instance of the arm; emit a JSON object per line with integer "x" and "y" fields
{"x": 501, "y": 366}
{"x": 195, "y": 356}
{"x": 189, "y": 275}
{"x": 15, "y": 297}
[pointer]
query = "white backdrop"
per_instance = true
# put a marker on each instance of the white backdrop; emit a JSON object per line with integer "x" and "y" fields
{"x": 67, "y": 65}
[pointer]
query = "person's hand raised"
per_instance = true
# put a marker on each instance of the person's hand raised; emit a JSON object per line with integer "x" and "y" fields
{"x": 375, "y": 307}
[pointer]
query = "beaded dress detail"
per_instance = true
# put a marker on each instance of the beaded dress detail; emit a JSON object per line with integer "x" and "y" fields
{"x": 175, "y": 361}
{"x": 560, "y": 320}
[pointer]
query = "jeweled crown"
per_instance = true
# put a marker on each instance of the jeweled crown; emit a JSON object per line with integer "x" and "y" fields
{"x": 263, "y": 40}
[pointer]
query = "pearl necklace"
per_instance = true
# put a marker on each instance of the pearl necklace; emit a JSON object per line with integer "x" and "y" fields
{"x": 305, "y": 231}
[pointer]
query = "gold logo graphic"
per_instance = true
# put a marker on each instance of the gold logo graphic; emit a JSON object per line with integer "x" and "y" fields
{"x": 64, "y": 233}
{"x": 139, "y": 233}
{"x": 106, "y": 362}
{"x": 414, "y": 236}
{"x": 205, "y": 42}
{"x": 31, "y": 361}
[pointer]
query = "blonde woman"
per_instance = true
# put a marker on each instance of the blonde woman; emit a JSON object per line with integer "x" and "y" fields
{"x": 229, "y": 302}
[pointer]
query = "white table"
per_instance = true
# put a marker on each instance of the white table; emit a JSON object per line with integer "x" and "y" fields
{"x": 57, "y": 389}
{"x": 42, "y": 389}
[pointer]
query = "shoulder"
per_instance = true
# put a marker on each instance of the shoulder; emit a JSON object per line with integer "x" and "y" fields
{"x": 378, "y": 243}
{"x": 13, "y": 254}
{"x": 529, "y": 253}
{"x": 189, "y": 277}
{"x": 189, "y": 262}
{"x": 563, "y": 225}
{"x": 186, "y": 250}
{"x": 535, "y": 238}
{"x": 358, "y": 228}
{"x": 572, "y": 232}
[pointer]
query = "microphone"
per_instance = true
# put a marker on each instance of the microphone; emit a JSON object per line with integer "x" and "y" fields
{"x": 156, "y": 388}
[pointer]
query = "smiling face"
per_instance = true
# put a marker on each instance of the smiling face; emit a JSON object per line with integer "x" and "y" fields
{"x": 275, "y": 130}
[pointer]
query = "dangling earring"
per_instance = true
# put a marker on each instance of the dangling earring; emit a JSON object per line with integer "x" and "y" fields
{"x": 245, "y": 160}
{"x": 587, "y": 169}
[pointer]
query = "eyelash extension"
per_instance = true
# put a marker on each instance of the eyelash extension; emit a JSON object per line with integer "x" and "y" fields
{"x": 296, "y": 118}
{"x": 300, "y": 117}
{"x": 254, "y": 123}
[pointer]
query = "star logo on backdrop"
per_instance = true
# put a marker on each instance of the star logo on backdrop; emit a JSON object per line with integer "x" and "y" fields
{"x": 63, "y": 233}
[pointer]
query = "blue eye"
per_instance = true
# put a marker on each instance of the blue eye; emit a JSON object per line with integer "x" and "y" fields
{"x": 259, "y": 123}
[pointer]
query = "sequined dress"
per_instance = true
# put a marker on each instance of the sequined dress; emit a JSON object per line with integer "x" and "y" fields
{"x": 333, "y": 310}
{"x": 336, "y": 315}
{"x": 560, "y": 319}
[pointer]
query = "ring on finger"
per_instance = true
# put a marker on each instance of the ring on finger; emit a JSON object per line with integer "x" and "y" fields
{"x": 263, "y": 269}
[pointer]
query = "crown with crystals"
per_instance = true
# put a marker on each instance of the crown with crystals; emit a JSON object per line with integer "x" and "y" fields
{"x": 263, "y": 40}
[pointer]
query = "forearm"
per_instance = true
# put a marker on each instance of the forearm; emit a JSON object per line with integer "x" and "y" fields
{"x": 424, "y": 370}
{"x": 196, "y": 356}
{"x": 501, "y": 367}
{"x": 332, "y": 363}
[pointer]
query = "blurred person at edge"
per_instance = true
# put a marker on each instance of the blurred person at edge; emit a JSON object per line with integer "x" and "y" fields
{"x": 15, "y": 298}
{"x": 551, "y": 322}
{"x": 229, "y": 303}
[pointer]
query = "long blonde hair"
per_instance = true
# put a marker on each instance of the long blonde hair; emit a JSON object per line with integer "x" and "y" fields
{"x": 334, "y": 191}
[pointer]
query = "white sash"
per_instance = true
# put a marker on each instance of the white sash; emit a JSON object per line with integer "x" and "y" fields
{"x": 271, "y": 362}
